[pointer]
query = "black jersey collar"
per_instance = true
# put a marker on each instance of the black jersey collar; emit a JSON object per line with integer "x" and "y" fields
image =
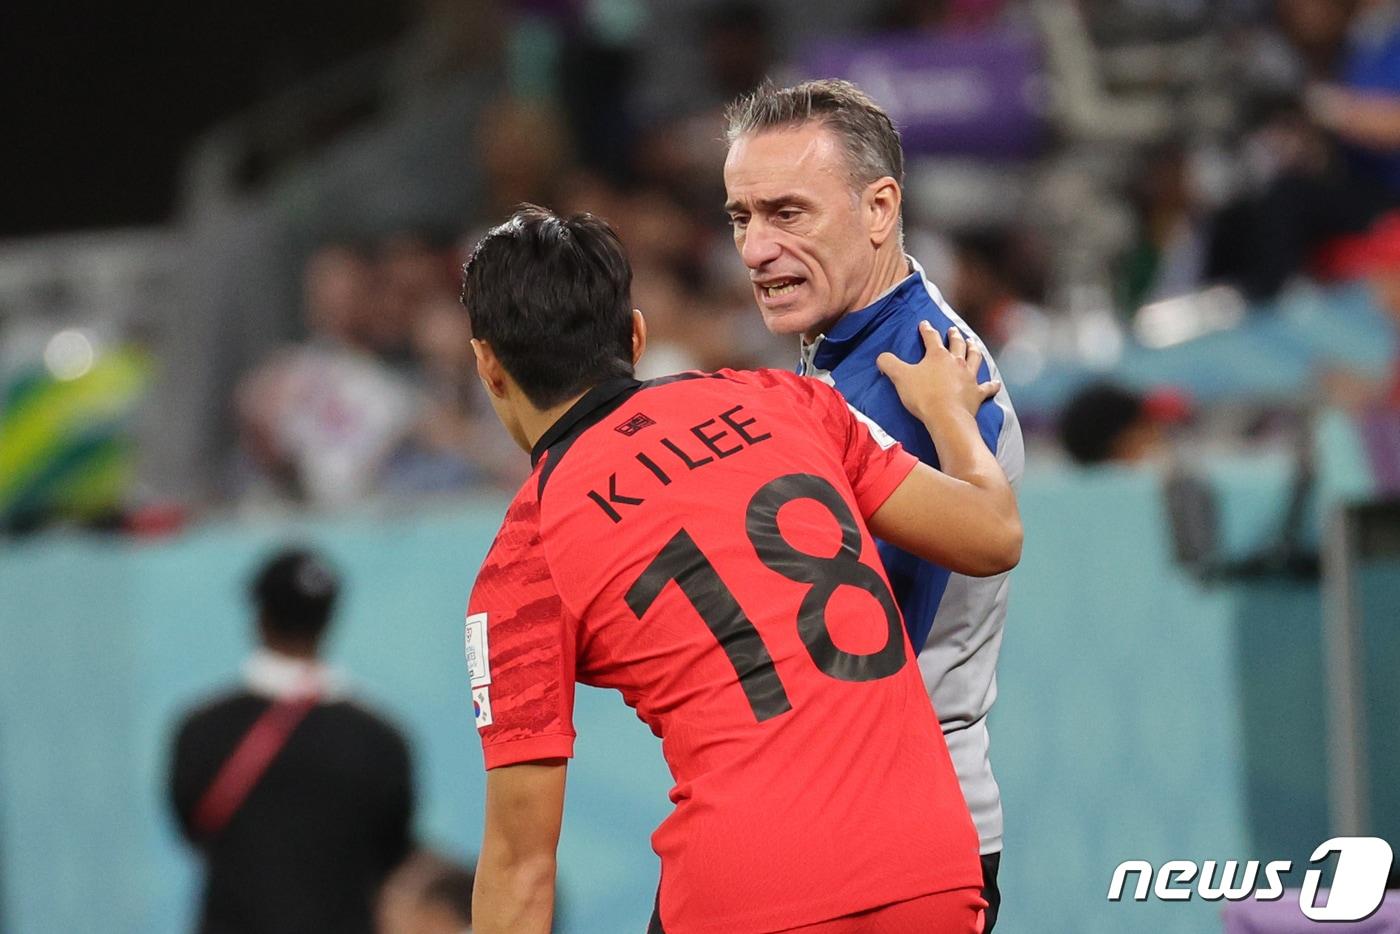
{"x": 586, "y": 412}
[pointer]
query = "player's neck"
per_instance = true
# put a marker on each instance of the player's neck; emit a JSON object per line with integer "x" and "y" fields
{"x": 535, "y": 422}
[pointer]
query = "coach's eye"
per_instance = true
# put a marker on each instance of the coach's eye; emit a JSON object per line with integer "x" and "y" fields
{"x": 738, "y": 221}
{"x": 787, "y": 215}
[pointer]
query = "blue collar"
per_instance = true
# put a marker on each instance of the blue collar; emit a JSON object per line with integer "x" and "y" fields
{"x": 855, "y": 326}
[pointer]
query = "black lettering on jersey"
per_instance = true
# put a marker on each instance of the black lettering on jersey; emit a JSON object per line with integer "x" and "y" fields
{"x": 711, "y": 441}
{"x": 728, "y": 418}
{"x": 681, "y": 561}
{"x": 654, "y": 467}
{"x": 721, "y": 443}
{"x": 614, "y": 497}
{"x": 685, "y": 458}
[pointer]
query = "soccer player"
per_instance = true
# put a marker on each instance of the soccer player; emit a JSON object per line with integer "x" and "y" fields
{"x": 813, "y": 180}
{"x": 699, "y": 543}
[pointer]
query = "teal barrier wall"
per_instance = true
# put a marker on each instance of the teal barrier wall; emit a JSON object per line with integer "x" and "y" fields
{"x": 1141, "y": 715}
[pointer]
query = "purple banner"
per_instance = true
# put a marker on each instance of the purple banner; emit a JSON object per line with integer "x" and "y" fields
{"x": 971, "y": 93}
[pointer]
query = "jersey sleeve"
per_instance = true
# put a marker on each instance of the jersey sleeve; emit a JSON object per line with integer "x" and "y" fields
{"x": 521, "y": 648}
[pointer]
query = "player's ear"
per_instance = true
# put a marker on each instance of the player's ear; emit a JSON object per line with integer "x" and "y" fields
{"x": 882, "y": 202}
{"x": 639, "y": 335}
{"x": 488, "y": 367}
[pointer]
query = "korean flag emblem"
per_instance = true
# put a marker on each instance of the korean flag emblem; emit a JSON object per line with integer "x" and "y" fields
{"x": 481, "y": 707}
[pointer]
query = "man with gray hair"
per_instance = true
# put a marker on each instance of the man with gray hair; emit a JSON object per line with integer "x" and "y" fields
{"x": 814, "y": 181}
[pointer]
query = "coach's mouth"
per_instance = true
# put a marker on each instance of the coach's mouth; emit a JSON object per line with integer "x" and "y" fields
{"x": 775, "y": 291}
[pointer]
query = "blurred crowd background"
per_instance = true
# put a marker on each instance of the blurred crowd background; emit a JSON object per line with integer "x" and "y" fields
{"x": 1110, "y": 191}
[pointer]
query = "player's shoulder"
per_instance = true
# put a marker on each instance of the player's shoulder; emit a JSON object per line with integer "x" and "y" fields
{"x": 781, "y": 383}
{"x": 519, "y": 537}
{"x": 704, "y": 379}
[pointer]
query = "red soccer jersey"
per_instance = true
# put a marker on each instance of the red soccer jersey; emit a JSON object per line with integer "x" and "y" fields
{"x": 696, "y": 543}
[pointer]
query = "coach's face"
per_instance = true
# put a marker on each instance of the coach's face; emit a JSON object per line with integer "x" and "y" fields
{"x": 808, "y": 233}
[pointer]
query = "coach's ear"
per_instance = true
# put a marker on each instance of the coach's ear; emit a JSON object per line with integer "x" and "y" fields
{"x": 488, "y": 367}
{"x": 882, "y": 200}
{"x": 639, "y": 335}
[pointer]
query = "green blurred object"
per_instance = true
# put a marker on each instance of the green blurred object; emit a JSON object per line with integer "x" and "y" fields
{"x": 66, "y": 451}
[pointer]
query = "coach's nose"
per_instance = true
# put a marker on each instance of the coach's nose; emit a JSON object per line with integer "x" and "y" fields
{"x": 759, "y": 245}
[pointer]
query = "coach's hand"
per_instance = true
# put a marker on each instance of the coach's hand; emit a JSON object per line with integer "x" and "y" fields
{"x": 945, "y": 378}
{"x": 977, "y": 529}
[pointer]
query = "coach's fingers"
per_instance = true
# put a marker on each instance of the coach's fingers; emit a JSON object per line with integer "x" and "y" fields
{"x": 988, "y": 389}
{"x": 957, "y": 345}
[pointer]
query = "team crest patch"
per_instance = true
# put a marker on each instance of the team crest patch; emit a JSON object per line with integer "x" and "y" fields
{"x": 481, "y": 707}
{"x": 478, "y": 655}
{"x": 634, "y": 424}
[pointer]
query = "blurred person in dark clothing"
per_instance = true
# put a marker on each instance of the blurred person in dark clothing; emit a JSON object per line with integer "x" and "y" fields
{"x": 298, "y": 800}
{"x": 1332, "y": 166}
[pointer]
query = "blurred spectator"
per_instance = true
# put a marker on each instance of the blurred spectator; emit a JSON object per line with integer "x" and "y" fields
{"x": 1331, "y": 170}
{"x": 298, "y": 800}
{"x": 428, "y": 894}
{"x": 413, "y": 272}
{"x": 737, "y": 39}
{"x": 1168, "y": 257}
{"x": 320, "y": 418}
{"x": 625, "y": 122}
{"x": 1317, "y": 29}
{"x": 939, "y": 15}
{"x": 1106, "y": 423}
{"x": 679, "y": 150}
{"x": 524, "y": 151}
{"x": 1375, "y": 257}
{"x": 1362, "y": 109}
{"x": 455, "y": 444}
{"x": 664, "y": 302}
{"x": 993, "y": 285}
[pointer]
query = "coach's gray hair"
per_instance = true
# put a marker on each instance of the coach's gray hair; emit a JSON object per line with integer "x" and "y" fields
{"x": 866, "y": 132}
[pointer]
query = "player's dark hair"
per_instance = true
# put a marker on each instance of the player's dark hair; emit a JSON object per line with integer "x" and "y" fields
{"x": 553, "y": 297}
{"x": 294, "y": 593}
{"x": 866, "y": 132}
